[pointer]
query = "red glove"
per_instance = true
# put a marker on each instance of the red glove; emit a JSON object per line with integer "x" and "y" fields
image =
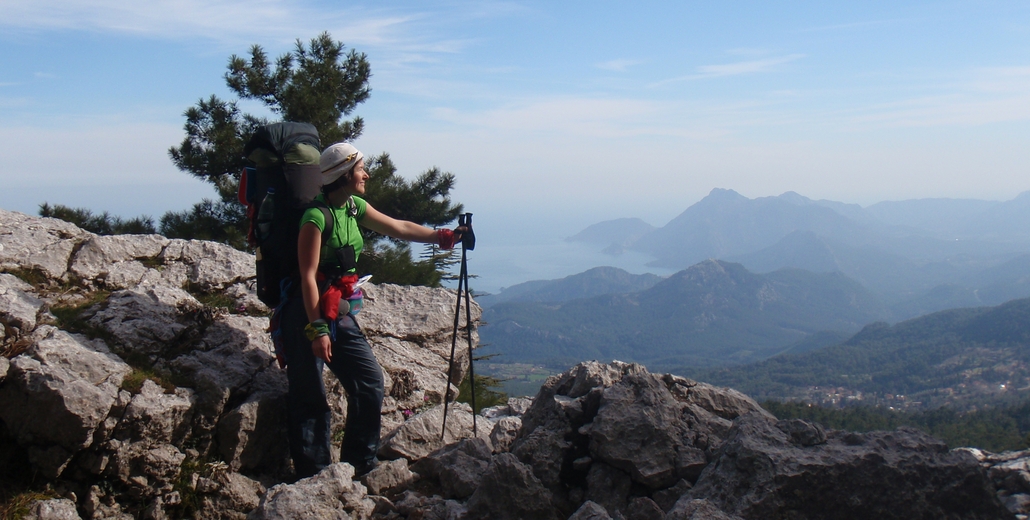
{"x": 445, "y": 238}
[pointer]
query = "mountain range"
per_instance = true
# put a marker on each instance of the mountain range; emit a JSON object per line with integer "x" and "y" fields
{"x": 713, "y": 313}
{"x": 907, "y": 252}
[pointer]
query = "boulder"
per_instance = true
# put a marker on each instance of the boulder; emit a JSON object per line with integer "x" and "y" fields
{"x": 510, "y": 491}
{"x": 41, "y": 244}
{"x": 388, "y": 477}
{"x": 457, "y": 467}
{"x": 412, "y": 328}
{"x": 329, "y": 494}
{"x": 590, "y": 511}
{"x": 763, "y": 471}
{"x": 57, "y": 395}
{"x": 19, "y": 309}
{"x": 157, "y": 416}
{"x": 210, "y": 266}
{"x": 504, "y": 433}
{"x": 698, "y": 509}
{"x": 643, "y": 508}
{"x": 643, "y": 430}
{"x": 145, "y": 468}
{"x": 230, "y": 359}
{"x": 252, "y": 436}
{"x": 421, "y": 434}
{"x": 53, "y": 509}
{"x": 1010, "y": 473}
{"x": 414, "y": 505}
{"x": 147, "y": 321}
{"x": 608, "y": 487}
{"x": 723, "y": 402}
{"x": 230, "y": 496}
{"x": 114, "y": 261}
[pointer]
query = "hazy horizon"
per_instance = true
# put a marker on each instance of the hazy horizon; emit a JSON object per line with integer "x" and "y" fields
{"x": 551, "y": 116}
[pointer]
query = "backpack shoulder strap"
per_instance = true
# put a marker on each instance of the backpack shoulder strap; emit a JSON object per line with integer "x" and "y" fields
{"x": 327, "y": 216}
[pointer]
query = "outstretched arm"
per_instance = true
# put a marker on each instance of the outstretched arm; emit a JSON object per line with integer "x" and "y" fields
{"x": 400, "y": 229}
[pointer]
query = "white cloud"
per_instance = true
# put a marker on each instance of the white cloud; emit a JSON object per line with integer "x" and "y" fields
{"x": 733, "y": 69}
{"x": 226, "y": 22}
{"x": 607, "y": 118}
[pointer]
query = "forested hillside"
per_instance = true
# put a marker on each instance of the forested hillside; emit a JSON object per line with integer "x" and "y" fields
{"x": 960, "y": 357}
{"x": 713, "y": 313}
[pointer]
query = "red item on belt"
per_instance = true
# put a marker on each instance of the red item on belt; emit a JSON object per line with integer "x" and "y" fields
{"x": 341, "y": 287}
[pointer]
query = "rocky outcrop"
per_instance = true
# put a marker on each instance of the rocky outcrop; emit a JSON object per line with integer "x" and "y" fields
{"x": 770, "y": 469}
{"x": 615, "y": 441}
{"x": 1010, "y": 474}
{"x": 137, "y": 369}
{"x": 138, "y": 381}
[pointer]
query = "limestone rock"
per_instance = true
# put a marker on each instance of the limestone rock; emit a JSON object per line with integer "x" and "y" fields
{"x": 53, "y": 509}
{"x": 1010, "y": 474}
{"x": 667, "y": 498}
{"x": 641, "y": 429}
{"x": 231, "y": 496}
{"x": 643, "y": 508}
{"x": 458, "y": 467}
{"x": 88, "y": 359}
{"x": 252, "y": 436}
{"x": 698, "y": 509}
{"x": 414, "y": 505}
{"x": 329, "y": 494}
{"x": 389, "y": 476}
{"x": 35, "y": 243}
{"x": 419, "y": 321}
{"x": 608, "y": 487}
{"x": 157, "y": 416}
{"x": 56, "y": 396}
{"x": 726, "y": 403}
{"x": 211, "y": 266}
{"x": 510, "y": 491}
{"x": 228, "y": 359}
{"x": 146, "y": 468}
{"x": 420, "y": 435}
{"x": 407, "y": 312}
{"x": 761, "y": 471}
{"x": 146, "y": 320}
{"x": 113, "y": 261}
{"x": 19, "y": 309}
{"x": 504, "y": 433}
{"x": 590, "y": 511}
{"x": 245, "y": 296}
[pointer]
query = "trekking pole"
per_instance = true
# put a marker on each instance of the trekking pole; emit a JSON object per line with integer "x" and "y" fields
{"x": 468, "y": 242}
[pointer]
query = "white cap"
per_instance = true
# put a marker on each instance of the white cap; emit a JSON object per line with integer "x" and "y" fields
{"x": 337, "y": 160}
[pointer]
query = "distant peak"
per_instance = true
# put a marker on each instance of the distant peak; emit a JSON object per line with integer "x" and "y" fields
{"x": 795, "y": 198}
{"x": 724, "y": 194}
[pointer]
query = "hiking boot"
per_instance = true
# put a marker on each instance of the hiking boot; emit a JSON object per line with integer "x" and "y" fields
{"x": 362, "y": 468}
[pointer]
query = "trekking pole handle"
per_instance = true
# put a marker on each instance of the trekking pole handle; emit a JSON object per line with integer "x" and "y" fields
{"x": 468, "y": 238}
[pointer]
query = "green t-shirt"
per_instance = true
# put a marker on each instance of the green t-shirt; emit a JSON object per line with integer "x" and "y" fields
{"x": 345, "y": 229}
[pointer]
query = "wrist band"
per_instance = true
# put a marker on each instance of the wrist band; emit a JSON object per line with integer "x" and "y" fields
{"x": 316, "y": 329}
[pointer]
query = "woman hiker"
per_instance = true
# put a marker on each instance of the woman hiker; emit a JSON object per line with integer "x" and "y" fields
{"x": 319, "y": 329}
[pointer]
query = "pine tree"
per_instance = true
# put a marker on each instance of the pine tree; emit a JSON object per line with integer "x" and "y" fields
{"x": 320, "y": 83}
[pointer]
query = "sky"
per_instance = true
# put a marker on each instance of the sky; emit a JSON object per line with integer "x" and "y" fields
{"x": 552, "y": 115}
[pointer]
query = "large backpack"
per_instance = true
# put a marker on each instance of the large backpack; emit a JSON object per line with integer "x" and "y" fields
{"x": 281, "y": 183}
